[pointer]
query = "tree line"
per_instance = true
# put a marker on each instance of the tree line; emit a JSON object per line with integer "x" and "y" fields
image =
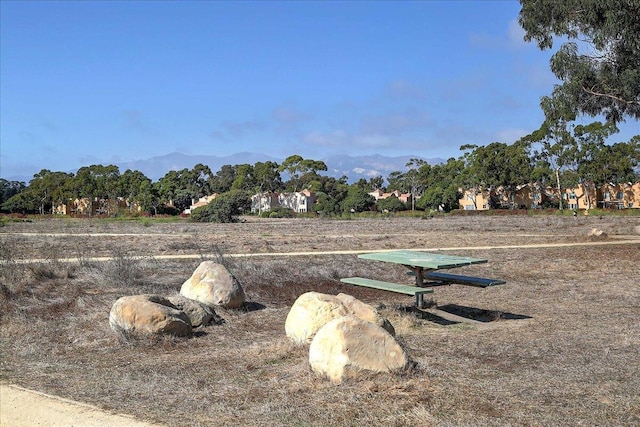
{"x": 578, "y": 156}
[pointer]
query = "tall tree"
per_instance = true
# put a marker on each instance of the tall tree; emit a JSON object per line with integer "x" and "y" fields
{"x": 48, "y": 189}
{"x": 245, "y": 178}
{"x": 599, "y": 65}
{"x": 9, "y": 189}
{"x": 223, "y": 179}
{"x": 131, "y": 185}
{"x": 296, "y": 166}
{"x": 267, "y": 176}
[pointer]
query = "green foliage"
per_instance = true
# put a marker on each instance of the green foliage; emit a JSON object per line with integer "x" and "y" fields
{"x": 225, "y": 208}
{"x": 391, "y": 204}
{"x": 278, "y": 212}
{"x": 357, "y": 200}
{"x": 599, "y": 65}
{"x": 9, "y": 189}
{"x": 297, "y": 167}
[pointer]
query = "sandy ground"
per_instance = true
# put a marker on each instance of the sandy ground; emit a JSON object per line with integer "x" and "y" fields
{"x": 20, "y": 407}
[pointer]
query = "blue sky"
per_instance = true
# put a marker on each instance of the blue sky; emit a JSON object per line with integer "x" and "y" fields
{"x": 104, "y": 82}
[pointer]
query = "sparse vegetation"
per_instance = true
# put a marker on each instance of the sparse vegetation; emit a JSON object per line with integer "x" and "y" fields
{"x": 555, "y": 346}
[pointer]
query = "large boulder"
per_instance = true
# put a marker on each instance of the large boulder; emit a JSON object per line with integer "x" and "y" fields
{"x": 310, "y": 312}
{"x": 365, "y": 311}
{"x": 213, "y": 285}
{"x": 347, "y": 345}
{"x": 199, "y": 314}
{"x": 148, "y": 314}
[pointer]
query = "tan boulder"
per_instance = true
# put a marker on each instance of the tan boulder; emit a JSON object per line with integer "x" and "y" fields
{"x": 310, "y": 312}
{"x": 213, "y": 285}
{"x": 596, "y": 232}
{"x": 365, "y": 311}
{"x": 148, "y": 314}
{"x": 347, "y": 345}
{"x": 199, "y": 314}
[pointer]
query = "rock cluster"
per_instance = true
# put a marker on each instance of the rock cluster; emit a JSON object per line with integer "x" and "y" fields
{"x": 211, "y": 285}
{"x": 346, "y": 336}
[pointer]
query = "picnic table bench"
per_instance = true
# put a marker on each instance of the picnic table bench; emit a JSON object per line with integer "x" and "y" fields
{"x": 423, "y": 266}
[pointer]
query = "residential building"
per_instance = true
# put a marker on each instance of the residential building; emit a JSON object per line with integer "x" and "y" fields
{"x": 299, "y": 201}
{"x": 202, "y": 201}
{"x": 403, "y": 197}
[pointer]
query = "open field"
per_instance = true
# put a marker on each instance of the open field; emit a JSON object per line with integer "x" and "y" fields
{"x": 557, "y": 345}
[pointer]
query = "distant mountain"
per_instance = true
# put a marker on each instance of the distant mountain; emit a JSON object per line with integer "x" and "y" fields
{"x": 354, "y": 167}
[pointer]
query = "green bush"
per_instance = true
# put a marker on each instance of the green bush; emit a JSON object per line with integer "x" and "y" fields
{"x": 225, "y": 208}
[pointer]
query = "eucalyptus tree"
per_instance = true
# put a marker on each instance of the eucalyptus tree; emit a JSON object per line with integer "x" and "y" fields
{"x": 201, "y": 180}
{"x": 97, "y": 183}
{"x": 46, "y": 190}
{"x": 9, "y": 189}
{"x": 297, "y": 167}
{"x": 223, "y": 179}
{"x": 245, "y": 178}
{"x": 553, "y": 145}
{"x": 599, "y": 64}
{"x": 330, "y": 193}
{"x": 132, "y": 186}
{"x": 267, "y": 176}
{"x": 617, "y": 163}
{"x": 497, "y": 166}
{"x": 443, "y": 182}
{"x": 176, "y": 188}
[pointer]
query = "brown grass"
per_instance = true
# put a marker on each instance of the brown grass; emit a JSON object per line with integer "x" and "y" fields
{"x": 557, "y": 345}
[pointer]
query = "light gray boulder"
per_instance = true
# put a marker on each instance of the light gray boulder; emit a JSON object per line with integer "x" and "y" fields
{"x": 347, "y": 346}
{"x": 213, "y": 285}
{"x": 148, "y": 314}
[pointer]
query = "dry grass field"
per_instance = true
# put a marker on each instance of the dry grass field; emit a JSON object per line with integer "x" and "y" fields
{"x": 558, "y": 345}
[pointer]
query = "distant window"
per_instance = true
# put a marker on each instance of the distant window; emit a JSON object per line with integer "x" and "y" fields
{"x": 573, "y": 206}
{"x": 620, "y": 195}
{"x": 469, "y": 207}
{"x": 607, "y": 195}
{"x": 470, "y": 197}
{"x": 572, "y": 196}
{"x": 484, "y": 206}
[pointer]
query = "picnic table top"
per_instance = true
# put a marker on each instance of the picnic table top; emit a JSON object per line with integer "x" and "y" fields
{"x": 422, "y": 259}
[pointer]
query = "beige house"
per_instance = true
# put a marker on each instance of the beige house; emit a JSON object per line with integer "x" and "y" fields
{"x": 403, "y": 197}
{"x": 582, "y": 197}
{"x": 202, "y": 201}
{"x": 619, "y": 196}
{"x": 84, "y": 206}
{"x": 474, "y": 199}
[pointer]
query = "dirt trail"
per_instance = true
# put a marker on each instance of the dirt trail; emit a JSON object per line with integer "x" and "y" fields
{"x": 20, "y": 407}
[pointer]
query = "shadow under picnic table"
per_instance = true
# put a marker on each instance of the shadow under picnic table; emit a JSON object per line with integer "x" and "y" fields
{"x": 451, "y": 314}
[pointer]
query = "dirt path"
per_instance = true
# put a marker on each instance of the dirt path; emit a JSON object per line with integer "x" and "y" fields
{"x": 20, "y": 407}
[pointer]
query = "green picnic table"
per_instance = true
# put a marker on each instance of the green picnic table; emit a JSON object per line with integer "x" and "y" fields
{"x": 424, "y": 266}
